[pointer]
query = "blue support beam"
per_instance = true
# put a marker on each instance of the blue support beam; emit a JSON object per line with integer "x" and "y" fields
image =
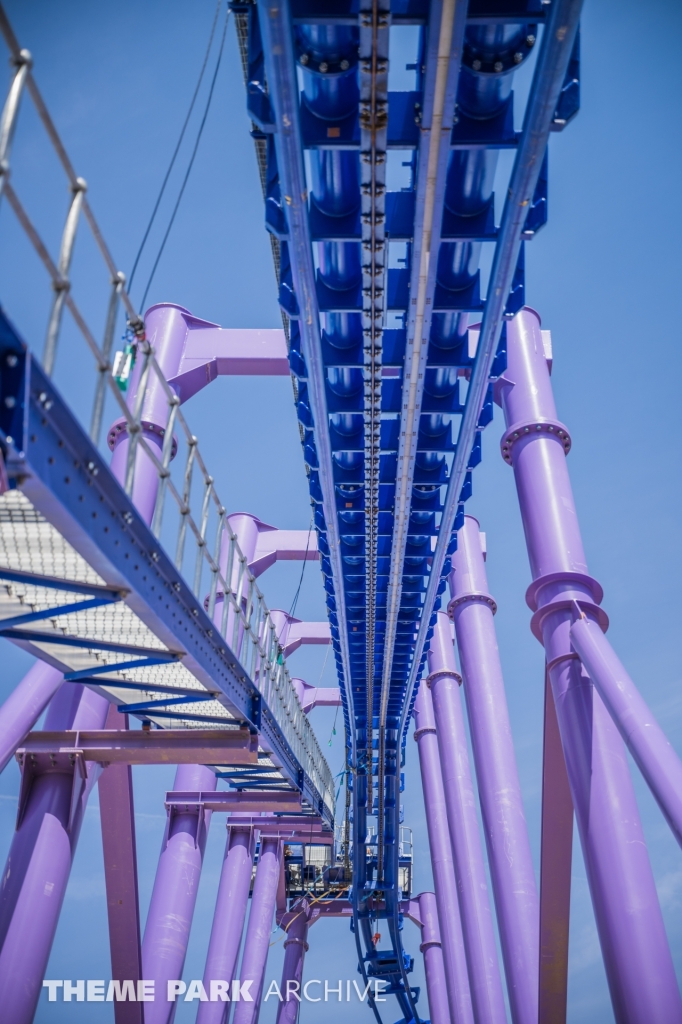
{"x": 50, "y": 457}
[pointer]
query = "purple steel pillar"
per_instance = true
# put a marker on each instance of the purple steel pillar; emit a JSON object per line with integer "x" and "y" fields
{"x": 229, "y": 917}
{"x": 634, "y": 945}
{"x": 434, "y": 961}
{"x": 453, "y": 955}
{"x": 556, "y": 852}
{"x": 259, "y": 928}
{"x": 245, "y": 528}
{"x": 174, "y": 895}
{"x": 166, "y": 329}
{"x": 477, "y": 922}
{"x": 120, "y": 871}
{"x": 25, "y": 705}
{"x": 504, "y": 822}
{"x": 177, "y": 878}
{"x": 39, "y": 862}
{"x": 296, "y": 924}
{"x": 646, "y": 741}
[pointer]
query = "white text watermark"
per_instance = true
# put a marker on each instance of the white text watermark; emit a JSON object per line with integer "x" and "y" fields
{"x": 217, "y": 990}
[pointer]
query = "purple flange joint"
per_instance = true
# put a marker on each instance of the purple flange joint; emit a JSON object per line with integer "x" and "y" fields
{"x": 567, "y": 597}
{"x": 442, "y": 672}
{"x": 480, "y": 597}
{"x": 120, "y": 427}
{"x": 518, "y": 431}
{"x": 425, "y": 729}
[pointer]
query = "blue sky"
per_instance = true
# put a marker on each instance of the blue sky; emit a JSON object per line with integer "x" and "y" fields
{"x": 605, "y": 276}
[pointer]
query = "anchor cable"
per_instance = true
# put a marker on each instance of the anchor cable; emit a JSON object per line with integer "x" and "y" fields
{"x": 191, "y": 161}
{"x": 177, "y": 148}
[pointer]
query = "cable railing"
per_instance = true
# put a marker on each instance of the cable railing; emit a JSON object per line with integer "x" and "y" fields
{"x": 215, "y": 562}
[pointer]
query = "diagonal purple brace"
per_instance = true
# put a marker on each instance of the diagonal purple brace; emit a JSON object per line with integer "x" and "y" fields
{"x": 117, "y": 817}
{"x": 646, "y": 741}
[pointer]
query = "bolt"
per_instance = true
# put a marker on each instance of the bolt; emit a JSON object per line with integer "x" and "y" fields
{"x": 498, "y": 66}
{"x": 518, "y": 57}
{"x": 12, "y": 360}
{"x": 324, "y": 67}
{"x": 530, "y": 40}
{"x": 476, "y": 65}
{"x": 344, "y": 65}
{"x": 304, "y": 58}
{"x": 10, "y": 401}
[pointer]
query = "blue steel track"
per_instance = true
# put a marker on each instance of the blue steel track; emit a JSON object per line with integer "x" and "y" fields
{"x": 378, "y": 353}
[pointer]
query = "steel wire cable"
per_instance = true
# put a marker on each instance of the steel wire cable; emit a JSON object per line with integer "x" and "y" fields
{"x": 191, "y": 161}
{"x": 177, "y": 147}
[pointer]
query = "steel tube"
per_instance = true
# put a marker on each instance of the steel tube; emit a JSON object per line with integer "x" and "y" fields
{"x": 646, "y": 741}
{"x": 22, "y": 63}
{"x": 445, "y": 884}
{"x": 25, "y": 705}
{"x": 78, "y": 189}
{"x": 39, "y": 863}
{"x": 259, "y": 928}
{"x": 637, "y": 958}
{"x": 504, "y": 821}
{"x": 228, "y": 919}
{"x": 171, "y": 909}
{"x": 166, "y": 331}
{"x": 477, "y": 922}
{"x": 296, "y": 947}
{"x": 434, "y": 961}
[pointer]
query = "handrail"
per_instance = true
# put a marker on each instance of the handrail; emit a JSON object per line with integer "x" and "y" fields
{"x": 253, "y": 640}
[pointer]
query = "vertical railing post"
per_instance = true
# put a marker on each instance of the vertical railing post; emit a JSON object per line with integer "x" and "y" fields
{"x": 201, "y": 543}
{"x": 105, "y": 366}
{"x": 61, "y": 287}
{"x": 22, "y": 63}
{"x": 184, "y": 511}
{"x": 166, "y": 457}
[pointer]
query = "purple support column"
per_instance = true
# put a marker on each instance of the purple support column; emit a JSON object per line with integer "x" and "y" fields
{"x": 245, "y": 529}
{"x": 434, "y": 961}
{"x": 166, "y": 328}
{"x": 634, "y": 945}
{"x": 117, "y": 816}
{"x": 174, "y": 896}
{"x": 504, "y": 822}
{"x": 177, "y": 878}
{"x": 259, "y": 928}
{"x": 37, "y": 872}
{"x": 556, "y": 852}
{"x": 453, "y": 955}
{"x": 228, "y": 919}
{"x": 25, "y": 705}
{"x": 477, "y": 922}
{"x": 296, "y": 924}
{"x": 39, "y": 862}
{"x": 646, "y": 741}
